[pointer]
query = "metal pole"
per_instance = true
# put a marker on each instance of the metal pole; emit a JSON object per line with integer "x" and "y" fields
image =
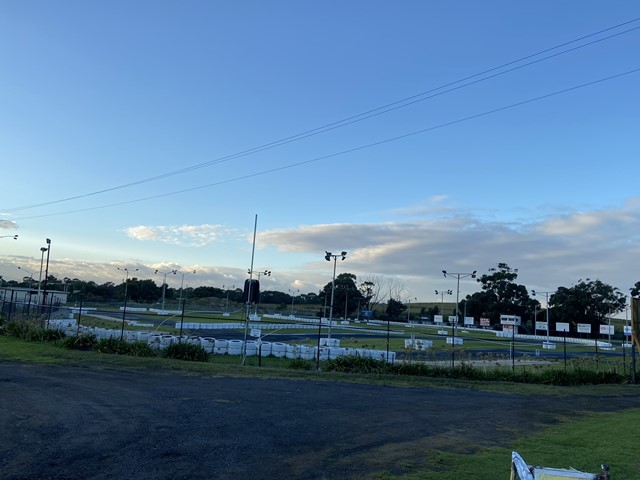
{"x": 42, "y": 250}
{"x": 547, "y": 315}
{"x": 318, "y": 347}
{"x": 333, "y": 291}
{"x": 181, "y": 323}
{"x": 46, "y": 273}
{"x": 124, "y": 309}
{"x": 346, "y": 299}
{"x": 164, "y": 285}
{"x": 79, "y": 317}
{"x": 513, "y": 347}
{"x": 453, "y": 343}
{"x": 246, "y": 318}
{"x": 388, "y": 327}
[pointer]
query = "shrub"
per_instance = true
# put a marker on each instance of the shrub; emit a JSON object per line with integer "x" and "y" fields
{"x": 113, "y": 345}
{"x": 140, "y": 348}
{"x": 186, "y": 351}
{"x": 44, "y": 334}
{"x": 300, "y": 364}
{"x": 356, "y": 364}
{"x": 31, "y": 331}
{"x": 15, "y": 329}
{"x": 80, "y": 342}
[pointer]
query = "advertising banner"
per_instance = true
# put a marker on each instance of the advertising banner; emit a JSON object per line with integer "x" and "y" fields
{"x": 438, "y": 319}
{"x": 562, "y": 327}
{"x": 468, "y": 320}
{"x": 584, "y": 328}
{"x": 542, "y": 326}
{"x": 510, "y": 320}
{"x": 453, "y": 319}
{"x": 607, "y": 329}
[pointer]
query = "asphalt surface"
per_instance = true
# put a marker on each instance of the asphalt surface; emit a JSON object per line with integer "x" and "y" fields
{"x": 75, "y": 423}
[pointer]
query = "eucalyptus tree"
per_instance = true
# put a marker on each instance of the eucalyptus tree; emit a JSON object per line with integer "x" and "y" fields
{"x": 589, "y": 301}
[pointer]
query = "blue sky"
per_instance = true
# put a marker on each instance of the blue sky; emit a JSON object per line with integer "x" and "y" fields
{"x": 95, "y": 96}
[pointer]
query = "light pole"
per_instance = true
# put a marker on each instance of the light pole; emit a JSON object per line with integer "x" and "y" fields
{"x": 124, "y": 309}
{"x": 266, "y": 273}
{"x": 30, "y": 276}
{"x": 42, "y": 250}
{"x": 458, "y": 276}
{"x": 293, "y": 296}
{"x": 182, "y": 283}
{"x": 46, "y": 274}
{"x": 409, "y": 307}
{"x": 164, "y": 281}
{"x": 442, "y": 293}
{"x": 534, "y": 292}
{"x": 328, "y": 256}
{"x": 226, "y": 305}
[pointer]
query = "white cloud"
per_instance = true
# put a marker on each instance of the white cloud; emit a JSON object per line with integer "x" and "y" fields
{"x": 184, "y": 235}
{"x": 8, "y": 224}
{"x": 549, "y": 252}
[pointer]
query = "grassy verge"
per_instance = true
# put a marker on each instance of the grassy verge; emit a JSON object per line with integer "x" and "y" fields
{"x": 51, "y": 353}
{"x": 582, "y": 444}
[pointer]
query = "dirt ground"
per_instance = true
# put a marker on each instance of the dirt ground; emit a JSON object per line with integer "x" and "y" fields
{"x": 75, "y": 423}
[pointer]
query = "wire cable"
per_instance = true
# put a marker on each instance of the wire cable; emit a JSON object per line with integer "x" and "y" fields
{"x": 345, "y": 152}
{"x": 405, "y": 102}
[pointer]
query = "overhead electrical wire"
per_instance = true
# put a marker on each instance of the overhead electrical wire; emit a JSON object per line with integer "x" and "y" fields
{"x": 345, "y": 152}
{"x": 359, "y": 117}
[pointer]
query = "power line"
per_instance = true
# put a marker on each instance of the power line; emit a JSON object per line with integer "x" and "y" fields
{"x": 405, "y": 102}
{"x": 351, "y": 150}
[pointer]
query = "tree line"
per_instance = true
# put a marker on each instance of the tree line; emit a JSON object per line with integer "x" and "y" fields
{"x": 587, "y": 302}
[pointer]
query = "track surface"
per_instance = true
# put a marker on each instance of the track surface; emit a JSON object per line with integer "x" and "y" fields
{"x": 75, "y": 423}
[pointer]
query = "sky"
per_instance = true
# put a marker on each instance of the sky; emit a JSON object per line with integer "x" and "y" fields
{"x": 416, "y": 136}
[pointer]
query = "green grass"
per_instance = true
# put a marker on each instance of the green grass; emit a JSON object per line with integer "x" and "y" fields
{"x": 583, "y": 444}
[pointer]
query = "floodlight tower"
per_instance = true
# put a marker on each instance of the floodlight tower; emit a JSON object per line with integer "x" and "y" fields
{"x": 458, "y": 276}
{"x": 328, "y": 256}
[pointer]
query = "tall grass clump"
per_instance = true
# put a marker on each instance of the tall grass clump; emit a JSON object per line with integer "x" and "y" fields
{"x": 301, "y": 364}
{"x": 31, "y": 331}
{"x": 113, "y": 345}
{"x": 186, "y": 351}
{"x": 356, "y": 364}
{"x": 140, "y": 348}
{"x": 80, "y": 342}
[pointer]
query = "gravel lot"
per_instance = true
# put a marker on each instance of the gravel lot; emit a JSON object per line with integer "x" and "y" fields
{"x": 76, "y": 423}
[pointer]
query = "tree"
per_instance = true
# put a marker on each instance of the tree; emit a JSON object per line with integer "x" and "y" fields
{"x": 635, "y": 291}
{"x": 346, "y": 295}
{"x": 590, "y": 301}
{"x": 500, "y": 295}
{"x": 395, "y": 309}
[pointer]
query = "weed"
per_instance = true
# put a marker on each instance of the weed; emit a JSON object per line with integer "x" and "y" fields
{"x": 186, "y": 351}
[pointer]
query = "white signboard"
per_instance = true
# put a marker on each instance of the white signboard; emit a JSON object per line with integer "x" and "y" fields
{"x": 438, "y": 319}
{"x": 584, "y": 328}
{"x": 453, "y": 319}
{"x": 627, "y": 330}
{"x": 542, "y": 326}
{"x": 607, "y": 329}
{"x": 510, "y": 320}
{"x": 562, "y": 327}
{"x": 255, "y": 332}
{"x": 468, "y": 320}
